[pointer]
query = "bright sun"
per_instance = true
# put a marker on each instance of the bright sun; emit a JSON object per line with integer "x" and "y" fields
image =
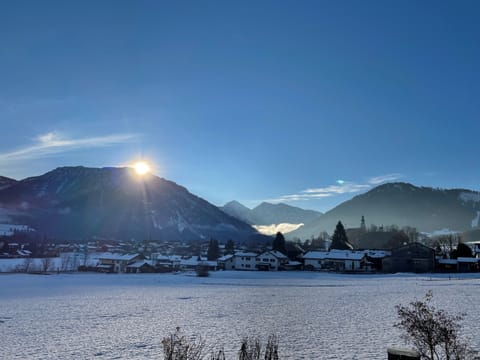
{"x": 141, "y": 168}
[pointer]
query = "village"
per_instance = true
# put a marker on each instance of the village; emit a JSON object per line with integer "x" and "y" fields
{"x": 150, "y": 257}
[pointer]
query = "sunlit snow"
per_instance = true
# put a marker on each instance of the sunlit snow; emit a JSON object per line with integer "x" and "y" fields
{"x": 315, "y": 315}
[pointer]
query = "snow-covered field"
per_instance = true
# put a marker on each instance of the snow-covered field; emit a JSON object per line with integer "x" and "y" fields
{"x": 315, "y": 315}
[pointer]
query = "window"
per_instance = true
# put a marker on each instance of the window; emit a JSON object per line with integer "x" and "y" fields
{"x": 247, "y": 258}
{"x": 265, "y": 260}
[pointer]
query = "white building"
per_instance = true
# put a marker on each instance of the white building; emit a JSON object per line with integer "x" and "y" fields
{"x": 338, "y": 260}
{"x": 245, "y": 261}
{"x": 271, "y": 260}
{"x": 226, "y": 262}
{"x": 117, "y": 262}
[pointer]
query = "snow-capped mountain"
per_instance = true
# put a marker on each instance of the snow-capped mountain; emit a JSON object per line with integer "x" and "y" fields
{"x": 428, "y": 209}
{"x": 79, "y": 202}
{"x": 270, "y": 218}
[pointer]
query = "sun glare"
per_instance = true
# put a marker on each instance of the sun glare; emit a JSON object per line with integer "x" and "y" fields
{"x": 141, "y": 168}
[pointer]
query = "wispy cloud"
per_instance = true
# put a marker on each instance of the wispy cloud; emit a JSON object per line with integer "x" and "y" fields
{"x": 341, "y": 187}
{"x": 53, "y": 143}
{"x": 377, "y": 180}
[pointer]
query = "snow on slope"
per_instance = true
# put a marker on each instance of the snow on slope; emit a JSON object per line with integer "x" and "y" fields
{"x": 470, "y": 196}
{"x": 272, "y": 229}
{"x": 476, "y": 220}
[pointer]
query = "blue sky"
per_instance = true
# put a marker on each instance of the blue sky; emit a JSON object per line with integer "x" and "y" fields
{"x": 246, "y": 100}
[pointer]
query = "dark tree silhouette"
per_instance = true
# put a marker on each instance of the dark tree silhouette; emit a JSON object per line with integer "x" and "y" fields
{"x": 279, "y": 243}
{"x": 462, "y": 250}
{"x": 363, "y": 227}
{"x": 229, "y": 247}
{"x": 213, "y": 252}
{"x": 339, "y": 238}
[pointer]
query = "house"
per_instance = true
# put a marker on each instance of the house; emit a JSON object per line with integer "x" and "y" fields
{"x": 467, "y": 264}
{"x": 192, "y": 262}
{"x": 375, "y": 257}
{"x": 142, "y": 266}
{"x": 166, "y": 263}
{"x": 271, "y": 260}
{"x": 226, "y": 262}
{"x": 117, "y": 263}
{"x": 414, "y": 257}
{"x": 461, "y": 264}
{"x": 245, "y": 261}
{"x": 446, "y": 265}
{"x": 337, "y": 260}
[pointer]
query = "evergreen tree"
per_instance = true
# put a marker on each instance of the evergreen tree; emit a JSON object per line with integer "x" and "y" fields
{"x": 229, "y": 247}
{"x": 462, "y": 250}
{"x": 339, "y": 238}
{"x": 363, "y": 227}
{"x": 279, "y": 243}
{"x": 213, "y": 252}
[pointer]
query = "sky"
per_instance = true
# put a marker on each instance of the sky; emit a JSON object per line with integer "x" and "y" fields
{"x": 305, "y": 102}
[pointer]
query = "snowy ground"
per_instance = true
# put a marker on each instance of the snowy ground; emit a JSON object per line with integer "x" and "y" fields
{"x": 315, "y": 315}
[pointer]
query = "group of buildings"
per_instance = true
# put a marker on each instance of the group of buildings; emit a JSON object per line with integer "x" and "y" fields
{"x": 133, "y": 263}
{"x": 413, "y": 257}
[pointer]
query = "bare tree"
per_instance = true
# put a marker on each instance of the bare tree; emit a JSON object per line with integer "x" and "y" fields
{"x": 444, "y": 243}
{"x": 65, "y": 261}
{"x": 46, "y": 264}
{"x": 434, "y": 333}
{"x": 27, "y": 264}
{"x": 176, "y": 346}
{"x": 251, "y": 349}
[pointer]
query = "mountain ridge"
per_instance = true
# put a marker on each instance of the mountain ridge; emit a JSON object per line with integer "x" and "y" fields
{"x": 403, "y": 204}
{"x": 267, "y": 214}
{"x": 81, "y": 202}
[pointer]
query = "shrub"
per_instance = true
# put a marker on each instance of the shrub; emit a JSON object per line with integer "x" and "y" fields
{"x": 434, "y": 333}
{"x": 177, "y": 346}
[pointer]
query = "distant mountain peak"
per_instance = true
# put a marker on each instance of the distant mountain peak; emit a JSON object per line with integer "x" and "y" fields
{"x": 270, "y": 214}
{"x": 79, "y": 202}
{"x": 425, "y": 208}
{"x": 235, "y": 203}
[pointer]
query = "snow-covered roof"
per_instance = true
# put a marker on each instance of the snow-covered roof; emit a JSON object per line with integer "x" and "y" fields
{"x": 193, "y": 261}
{"x": 275, "y": 253}
{"x": 138, "y": 264}
{"x": 467, "y": 259}
{"x": 104, "y": 266}
{"x": 448, "y": 261}
{"x": 246, "y": 254}
{"x": 293, "y": 263}
{"x": 225, "y": 257}
{"x": 118, "y": 257}
{"x": 335, "y": 255}
{"x": 24, "y": 252}
{"x": 377, "y": 254}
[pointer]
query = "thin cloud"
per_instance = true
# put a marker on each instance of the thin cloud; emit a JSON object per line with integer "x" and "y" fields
{"x": 53, "y": 143}
{"x": 341, "y": 187}
{"x": 344, "y": 188}
{"x": 377, "y": 180}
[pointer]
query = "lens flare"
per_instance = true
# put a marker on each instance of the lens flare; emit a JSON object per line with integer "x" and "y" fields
{"x": 141, "y": 168}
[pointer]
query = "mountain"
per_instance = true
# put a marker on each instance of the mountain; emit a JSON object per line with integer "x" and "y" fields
{"x": 78, "y": 203}
{"x": 6, "y": 182}
{"x": 239, "y": 211}
{"x": 402, "y": 204}
{"x": 267, "y": 214}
